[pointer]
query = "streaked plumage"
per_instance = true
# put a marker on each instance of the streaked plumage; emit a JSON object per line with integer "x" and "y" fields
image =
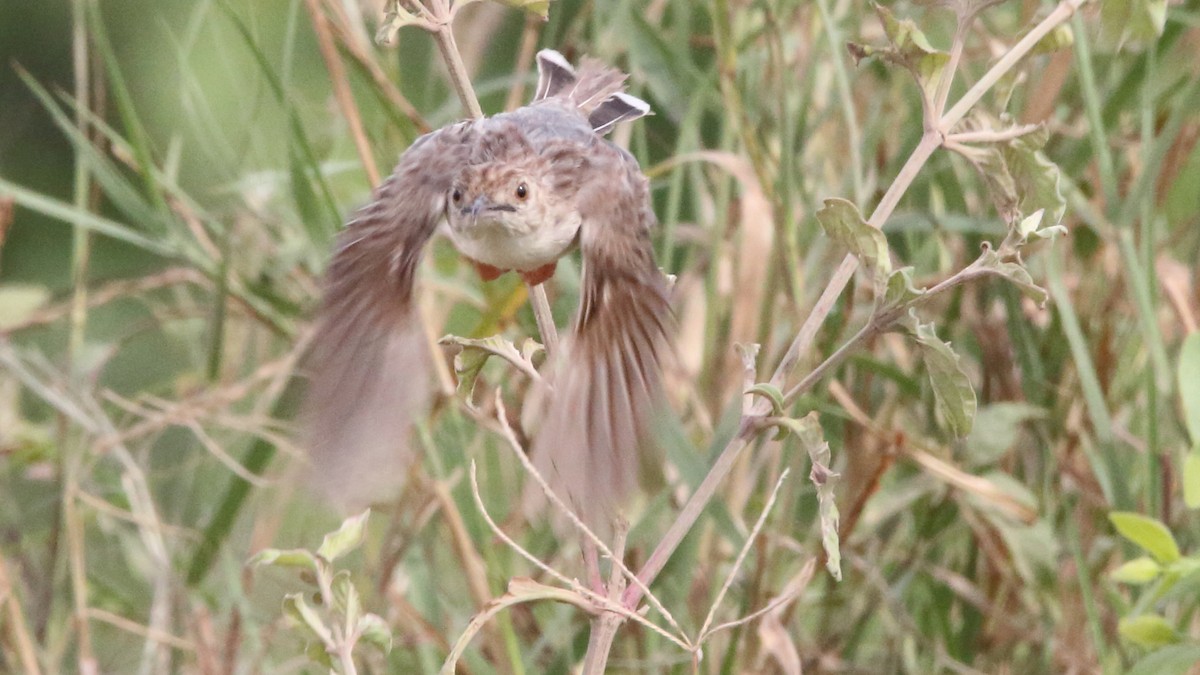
{"x": 515, "y": 191}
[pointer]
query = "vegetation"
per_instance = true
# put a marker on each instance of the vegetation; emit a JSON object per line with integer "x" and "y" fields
{"x": 1000, "y": 424}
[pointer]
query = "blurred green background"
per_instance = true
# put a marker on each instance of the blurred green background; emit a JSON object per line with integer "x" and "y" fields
{"x": 161, "y": 268}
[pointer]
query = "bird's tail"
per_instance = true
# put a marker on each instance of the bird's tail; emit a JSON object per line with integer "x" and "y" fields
{"x": 597, "y": 90}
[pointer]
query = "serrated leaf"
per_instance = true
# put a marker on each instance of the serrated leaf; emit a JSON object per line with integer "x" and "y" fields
{"x": 345, "y": 596}
{"x": 1035, "y": 178}
{"x": 844, "y": 224}
{"x": 1149, "y": 534}
{"x": 812, "y": 439}
{"x": 346, "y": 538}
{"x": 1148, "y": 630}
{"x": 1189, "y": 385}
{"x": 1137, "y": 571}
{"x": 912, "y": 50}
{"x": 952, "y": 389}
{"x": 900, "y": 289}
{"x": 374, "y": 630}
{"x": 1015, "y": 273}
{"x": 1191, "y": 478}
{"x": 295, "y": 608}
{"x": 273, "y": 557}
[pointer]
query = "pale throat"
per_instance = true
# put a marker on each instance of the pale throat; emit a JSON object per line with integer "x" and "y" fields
{"x": 519, "y": 241}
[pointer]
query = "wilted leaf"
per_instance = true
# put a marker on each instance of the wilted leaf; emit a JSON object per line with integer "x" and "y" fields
{"x": 900, "y": 289}
{"x": 1137, "y": 571}
{"x": 1189, "y": 385}
{"x": 1015, "y": 273}
{"x": 1148, "y": 630}
{"x": 475, "y": 352}
{"x": 374, "y": 630}
{"x": 1152, "y": 536}
{"x": 951, "y": 388}
{"x": 989, "y": 163}
{"x": 844, "y": 224}
{"x": 911, "y": 49}
{"x": 1035, "y": 178}
{"x": 346, "y": 538}
{"x": 812, "y": 439}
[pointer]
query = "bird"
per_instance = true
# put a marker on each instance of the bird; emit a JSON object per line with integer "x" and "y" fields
{"x": 513, "y": 192}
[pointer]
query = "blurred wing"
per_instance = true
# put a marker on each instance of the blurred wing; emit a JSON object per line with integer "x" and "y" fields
{"x": 369, "y": 362}
{"x": 592, "y": 446}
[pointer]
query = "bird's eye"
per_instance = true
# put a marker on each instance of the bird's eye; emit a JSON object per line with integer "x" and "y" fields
{"x": 522, "y": 191}
{"x": 456, "y": 196}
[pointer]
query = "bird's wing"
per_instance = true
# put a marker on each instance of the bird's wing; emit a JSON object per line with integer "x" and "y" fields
{"x": 369, "y": 364}
{"x": 592, "y": 445}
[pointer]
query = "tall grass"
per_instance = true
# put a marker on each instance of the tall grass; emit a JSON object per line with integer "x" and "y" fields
{"x": 210, "y": 151}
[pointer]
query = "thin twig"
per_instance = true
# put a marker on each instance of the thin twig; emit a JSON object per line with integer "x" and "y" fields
{"x": 741, "y": 557}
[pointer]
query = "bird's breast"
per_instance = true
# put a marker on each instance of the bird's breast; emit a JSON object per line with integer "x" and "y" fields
{"x": 499, "y": 244}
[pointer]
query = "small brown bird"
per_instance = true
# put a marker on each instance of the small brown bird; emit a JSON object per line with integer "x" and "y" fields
{"x": 516, "y": 192}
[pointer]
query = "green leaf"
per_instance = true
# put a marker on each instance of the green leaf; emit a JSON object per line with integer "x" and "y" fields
{"x": 1173, "y": 660}
{"x": 900, "y": 289}
{"x": 345, "y": 596}
{"x": 273, "y": 557}
{"x": 912, "y": 50}
{"x": 18, "y": 302}
{"x": 346, "y": 538}
{"x": 295, "y": 608}
{"x": 1035, "y": 178}
{"x": 1191, "y": 478}
{"x": 1014, "y": 272}
{"x": 1152, "y": 536}
{"x": 1148, "y": 630}
{"x": 318, "y": 654}
{"x": 538, "y": 8}
{"x": 374, "y": 630}
{"x": 771, "y": 393}
{"x": 474, "y": 354}
{"x": 1189, "y": 385}
{"x": 1138, "y": 20}
{"x": 844, "y": 224}
{"x": 812, "y": 439}
{"x": 996, "y": 429}
{"x": 951, "y": 388}
{"x": 1141, "y": 570}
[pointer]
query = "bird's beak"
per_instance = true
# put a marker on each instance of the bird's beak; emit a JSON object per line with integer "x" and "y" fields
{"x": 476, "y": 207}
